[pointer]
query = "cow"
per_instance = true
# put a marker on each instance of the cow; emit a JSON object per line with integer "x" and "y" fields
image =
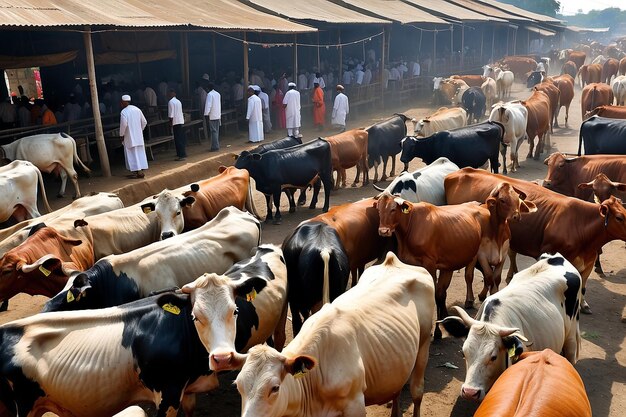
{"x": 535, "y": 78}
{"x": 554, "y": 94}
{"x": 504, "y": 328}
{"x": 504, "y": 80}
{"x": 297, "y": 166}
{"x": 599, "y": 60}
{"x": 317, "y": 269}
{"x": 614, "y": 112}
{"x": 384, "y": 141}
{"x": 443, "y": 119}
{"x": 51, "y": 153}
{"x": 470, "y": 80}
{"x": 98, "y": 362}
{"x": 569, "y": 68}
{"x": 18, "y": 182}
{"x": 132, "y": 411}
{"x": 451, "y": 89}
{"x": 467, "y": 234}
{"x": 513, "y": 116}
{"x": 543, "y": 231}
{"x": 467, "y": 146}
{"x": 589, "y": 74}
{"x": 474, "y": 101}
{"x": 348, "y": 149}
{"x": 539, "y": 116}
{"x": 544, "y": 375}
{"x": 392, "y": 299}
{"x": 609, "y": 70}
{"x": 424, "y": 184}
{"x": 619, "y": 90}
{"x": 490, "y": 91}
{"x": 602, "y": 135}
{"x": 594, "y": 95}
{"x": 565, "y": 84}
{"x": 577, "y": 57}
{"x": 519, "y": 65}
{"x": 622, "y": 66}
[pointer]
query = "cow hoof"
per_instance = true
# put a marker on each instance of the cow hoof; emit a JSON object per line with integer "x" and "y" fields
{"x": 292, "y": 209}
{"x": 366, "y": 183}
{"x": 277, "y": 221}
{"x": 311, "y": 207}
{"x": 482, "y": 297}
{"x": 383, "y": 178}
{"x": 585, "y": 309}
{"x": 4, "y": 305}
{"x": 354, "y": 185}
{"x": 599, "y": 271}
{"x": 536, "y": 157}
{"x": 437, "y": 335}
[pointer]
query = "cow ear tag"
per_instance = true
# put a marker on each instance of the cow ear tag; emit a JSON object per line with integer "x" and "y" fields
{"x": 171, "y": 308}
{"x": 70, "y": 297}
{"x": 405, "y": 210}
{"x": 251, "y": 295}
{"x": 300, "y": 373}
{"x": 44, "y": 271}
{"x": 147, "y": 210}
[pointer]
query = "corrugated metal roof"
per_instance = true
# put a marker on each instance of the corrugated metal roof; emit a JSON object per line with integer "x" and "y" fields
{"x": 395, "y": 10}
{"x": 541, "y": 31}
{"x": 590, "y": 30}
{"x": 452, "y": 11}
{"x": 232, "y": 14}
{"x": 487, "y": 10}
{"x": 318, "y": 10}
{"x": 521, "y": 12}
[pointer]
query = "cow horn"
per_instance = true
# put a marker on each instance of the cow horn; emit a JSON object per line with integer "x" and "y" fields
{"x": 378, "y": 188}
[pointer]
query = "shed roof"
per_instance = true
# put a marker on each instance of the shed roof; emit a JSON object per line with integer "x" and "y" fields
{"x": 487, "y": 10}
{"x": 395, "y": 10}
{"x": 452, "y": 11}
{"x": 521, "y": 12}
{"x": 318, "y": 10}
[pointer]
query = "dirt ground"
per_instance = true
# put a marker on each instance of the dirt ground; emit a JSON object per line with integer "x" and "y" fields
{"x": 603, "y": 357}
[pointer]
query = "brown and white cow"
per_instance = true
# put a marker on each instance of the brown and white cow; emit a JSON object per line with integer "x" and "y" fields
{"x": 451, "y": 89}
{"x": 336, "y": 372}
{"x": 594, "y": 95}
{"x": 470, "y": 80}
{"x": 578, "y": 57}
{"x": 443, "y": 119}
{"x": 614, "y": 112}
{"x": 18, "y": 182}
{"x": 349, "y": 149}
{"x": 538, "y": 106}
{"x": 565, "y": 84}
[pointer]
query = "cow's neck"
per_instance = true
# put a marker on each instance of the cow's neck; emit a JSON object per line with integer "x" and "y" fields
{"x": 594, "y": 233}
{"x": 8, "y": 151}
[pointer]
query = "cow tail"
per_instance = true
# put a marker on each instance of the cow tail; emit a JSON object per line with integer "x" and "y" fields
{"x": 250, "y": 206}
{"x": 325, "y": 254}
{"x": 76, "y": 158}
{"x": 42, "y": 188}
{"x": 580, "y": 139}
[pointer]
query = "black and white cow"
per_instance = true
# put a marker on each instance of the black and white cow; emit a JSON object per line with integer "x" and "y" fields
{"x": 548, "y": 318}
{"x": 602, "y": 135}
{"x": 384, "y": 141}
{"x": 474, "y": 102}
{"x": 317, "y": 269}
{"x": 469, "y": 146}
{"x": 298, "y": 166}
{"x": 535, "y": 77}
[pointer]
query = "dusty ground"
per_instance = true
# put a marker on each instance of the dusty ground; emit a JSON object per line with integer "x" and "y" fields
{"x": 603, "y": 358}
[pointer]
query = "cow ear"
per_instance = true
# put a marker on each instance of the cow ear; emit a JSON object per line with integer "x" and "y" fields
{"x": 195, "y": 188}
{"x": 249, "y": 288}
{"x": 221, "y": 169}
{"x": 148, "y": 207}
{"x": 192, "y": 286}
{"x": 604, "y": 210}
{"x": 491, "y": 201}
{"x": 299, "y": 365}
{"x": 620, "y": 186}
{"x": 187, "y": 201}
{"x": 513, "y": 345}
{"x": 46, "y": 265}
{"x": 257, "y": 156}
{"x": 585, "y": 185}
{"x": 522, "y": 195}
{"x": 454, "y": 326}
{"x": 406, "y": 207}
{"x": 528, "y": 207}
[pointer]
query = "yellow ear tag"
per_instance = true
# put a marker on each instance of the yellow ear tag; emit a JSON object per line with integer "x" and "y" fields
{"x": 512, "y": 352}
{"x": 44, "y": 271}
{"x": 405, "y": 210}
{"x": 299, "y": 374}
{"x": 171, "y": 308}
{"x": 70, "y": 297}
{"x": 251, "y": 295}
{"x": 147, "y": 210}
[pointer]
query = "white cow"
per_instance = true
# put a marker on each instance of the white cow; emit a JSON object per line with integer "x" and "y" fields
{"x": 443, "y": 119}
{"x": 538, "y": 310}
{"x": 333, "y": 366}
{"x": 619, "y": 89}
{"x": 600, "y": 59}
{"x": 424, "y": 184}
{"x": 504, "y": 82}
{"x": 18, "y": 199}
{"x": 51, "y": 153}
{"x": 133, "y": 411}
{"x": 514, "y": 117}
{"x": 490, "y": 90}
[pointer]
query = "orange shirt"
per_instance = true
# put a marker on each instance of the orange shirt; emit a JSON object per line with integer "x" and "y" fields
{"x": 48, "y": 118}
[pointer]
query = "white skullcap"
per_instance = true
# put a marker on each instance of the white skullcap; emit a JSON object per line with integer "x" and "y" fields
{"x": 292, "y": 84}
{"x": 125, "y": 97}
{"x": 256, "y": 88}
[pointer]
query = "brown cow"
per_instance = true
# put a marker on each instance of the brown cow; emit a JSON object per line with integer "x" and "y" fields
{"x": 578, "y": 57}
{"x": 452, "y": 89}
{"x": 588, "y": 74}
{"x": 470, "y": 80}
{"x": 554, "y": 94}
{"x": 609, "y": 70}
{"x": 569, "y": 68}
{"x": 575, "y": 228}
{"x": 538, "y": 106}
{"x": 466, "y": 234}
{"x": 565, "y": 84}
{"x": 540, "y": 384}
{"x": 518, "y": 65}
{"x": 348, "y": 149}
{"x": 614, "y": 112}
{"x": 603, "y": 188}
{"x": 622, "y": 66}
{"x": 594, "y": 95}
{"x": 42, "y": 264}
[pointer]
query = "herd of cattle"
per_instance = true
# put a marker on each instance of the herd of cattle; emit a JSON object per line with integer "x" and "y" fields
{"x": 149, "y": 302}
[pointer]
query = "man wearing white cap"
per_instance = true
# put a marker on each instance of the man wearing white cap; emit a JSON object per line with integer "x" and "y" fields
{"x": 291, "y": 103}
{"x": 254, "y": 115}
{"x": 132, "y": 124}
{"x": 341, "y": 108}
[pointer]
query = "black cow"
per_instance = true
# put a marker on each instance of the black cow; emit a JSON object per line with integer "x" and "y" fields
{"x": 305, "y": 251}
{"x": 298, "y": 166}
{"x": 474, "y": 102}
{"x": 384, "y": 141}
{"x": 535, "y": 77}
{"x": 603, "y": 135}
{"x": 469, "y": 146}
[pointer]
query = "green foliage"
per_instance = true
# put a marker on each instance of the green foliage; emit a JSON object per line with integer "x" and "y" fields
{"x": 546, "y": 7}
{"x": 611, "y": 17}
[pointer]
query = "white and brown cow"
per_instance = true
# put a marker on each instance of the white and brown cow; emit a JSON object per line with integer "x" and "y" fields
{"x": 443, "y": 119}
{"x": 332, "y": 367}
{"x": 514, "y": 117}
{"x": 18, "y": 182}
{"x": 505, "y": 327}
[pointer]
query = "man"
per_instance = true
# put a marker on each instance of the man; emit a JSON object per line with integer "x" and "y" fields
{"x": 8, "y": 114}
{"x": 200, "y": 95}
{"x": 320, "y": 80}
{"x": 150, "y": 97}
{"x": 254, "y": 116}
{"x": 367, "y": 75}
{"x": 237, "y": 91}
{"x": 341, "y": 108}
{"x": 416, "y": 69}
{"x": 23, "y": 112}
{"x": 177, "y": 120}
{"x": 359, "y": 75}
{"x": 291, "y": 103}
{"x": 319, "y": 108}
{"x": 213, "y": 110}
{"x": 162, "y": 89}
{"x": 265, "y": 101}
{"x": 47, "y": 116}
{"x": 279, "y": 110}
{"x": 72, "y": 110}
{"x": 347, "y": 77}
{"x": 302, "y": 80}
{"x": 132, "y": 124}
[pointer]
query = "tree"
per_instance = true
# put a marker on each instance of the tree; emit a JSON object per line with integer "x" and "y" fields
{"x": 547, "y": 7}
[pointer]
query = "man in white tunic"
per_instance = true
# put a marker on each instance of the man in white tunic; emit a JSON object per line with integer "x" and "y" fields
{"x": 341, "y": 108}
{"x": 291, "y": 103}
{"x": 265, "y": 101}
{"x": 132, "y": 124}
{"x": 254, "y": 116}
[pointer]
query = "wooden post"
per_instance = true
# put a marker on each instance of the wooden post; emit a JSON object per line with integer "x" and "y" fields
{"x": 214, "y": 60}
{"x": 435, "y": 52}
{"x": 246, "y": 69}
{"x": 382, "y": 68}
{"x": 514, "y": 41}
{"x": 295, "y": 59}
{"x": 340, "y": 77}
{"x": 139, "y": 75}
{"x": 95, "y": 104}
{"x": 508, "y": 29}
{"x": 493, "y": 42}
{"x": 462, "y": 46}
{"x": 319, "y": 68}
{"x": 482, "y": 41}
{"x": 528, "y": 40}
{"x": 184, "y": 62}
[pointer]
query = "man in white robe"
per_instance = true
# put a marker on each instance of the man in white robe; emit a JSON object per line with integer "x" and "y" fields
{"x": 341, "y": 108}
{"x": 132, "y": 124}
{"x": 254, "y": 116}
{"x": 291, "y": 103}
{"x": 265, "y": 101}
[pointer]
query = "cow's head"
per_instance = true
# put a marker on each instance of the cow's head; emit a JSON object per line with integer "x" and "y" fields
{"x": 168, "y": 208}
{"x": 559, "y": 177}
{"x": 418, "y": 126}
{"x": 74, "y": 296}
{"x": 437, "y": 83}
{"x": 391, "y": 209}
{"x": 535, "y": 78}
{"x": 507, "y": 202}
{"x": 408, "y": 145}
{"x": 603, "y": 187}
{"x": 266, "y": 379}
{"x": 487, "y": 71}
{"x": 614, "y": 214}
{"x": 488, "y": 350}
{"x": 215, "y": 314}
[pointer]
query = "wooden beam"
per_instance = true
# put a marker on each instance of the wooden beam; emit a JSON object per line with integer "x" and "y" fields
{"x": 214, "y": 75}
{"x": 184, "y": 62}
{"x": 382, "y": 69}
{"x": 462, "y": 46}
{"x": 295, "y": 59}
{"x": 246, "y": 68}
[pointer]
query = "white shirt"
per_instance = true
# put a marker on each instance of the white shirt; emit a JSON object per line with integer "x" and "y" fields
{"x": 175, "y": 111}
{"x": 255, "y": 109}
{"x": 320, "y": 81}
{"x": 416, "y": 69}
{"x": 347, "y": 77}
{"x": 150, "y": 97}
{"x": 359, "y": 77}
{"x": 394, "y": 74}
{"x": 132, "y": 124}
{"x": 302, "y": 82}
{"x": 265, "y": 100}
{"x": 292, "y": 112}
{"x": 213, "y": 105}
{"x": 367, "y": 77}
{"x": 340, "y": 109}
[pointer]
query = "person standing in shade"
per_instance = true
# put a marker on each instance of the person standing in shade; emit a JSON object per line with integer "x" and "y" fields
{"x": 132, "y": 124}
{"x": 319, "y": 108}
{"x": 267, "y": 120}
{"x": 254, "y": 116}
{"x": 279, "y": 110}
{"x": 177, "y": 120}
{"x": 341, "y": 108}
{"x": 291, "y": 103}
{"x": 213, "y": 110}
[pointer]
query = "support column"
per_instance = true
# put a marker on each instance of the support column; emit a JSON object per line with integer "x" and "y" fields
{"x": 184, "y": 62}
{"x": 382, "y": 68}
{"x": 246, "y": 68}
{"x": 435, "y": 52}
{"x": 340, "y": 77}
{"x": 493, "y": 43}
{"x": 482, "y": 41}
{"x": 462, "y": 46}
{"x": 319, "y": 68}
{"x": 214, "y": 60}
{"x": 95, "y": 104}
{"x": 508, "y": 29}
{"x": 295, "y": 59}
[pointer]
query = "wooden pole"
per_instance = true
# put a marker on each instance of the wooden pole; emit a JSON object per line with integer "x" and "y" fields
{"x": 340, "y": 77}
{"x": 514, "y": 41}
{"x": 184, "y": 62}
{"x": 139, "y": 75}
{"x": 246, "y": 69}
{"x": 319, "y": 68}
{"x": 528, "y": 40}
{"x": 482, "y": 41}
{"x": 493, "y": 42}
{"x": 462, "y": 46}
{"x": 508, "y": 29}
{"x": 295, "y": 59}
{"x": 435, "y": 52}
{"x": 95, "y": 104}
{"x": 382, "y": 68}
{"x": 214, "y": 60}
